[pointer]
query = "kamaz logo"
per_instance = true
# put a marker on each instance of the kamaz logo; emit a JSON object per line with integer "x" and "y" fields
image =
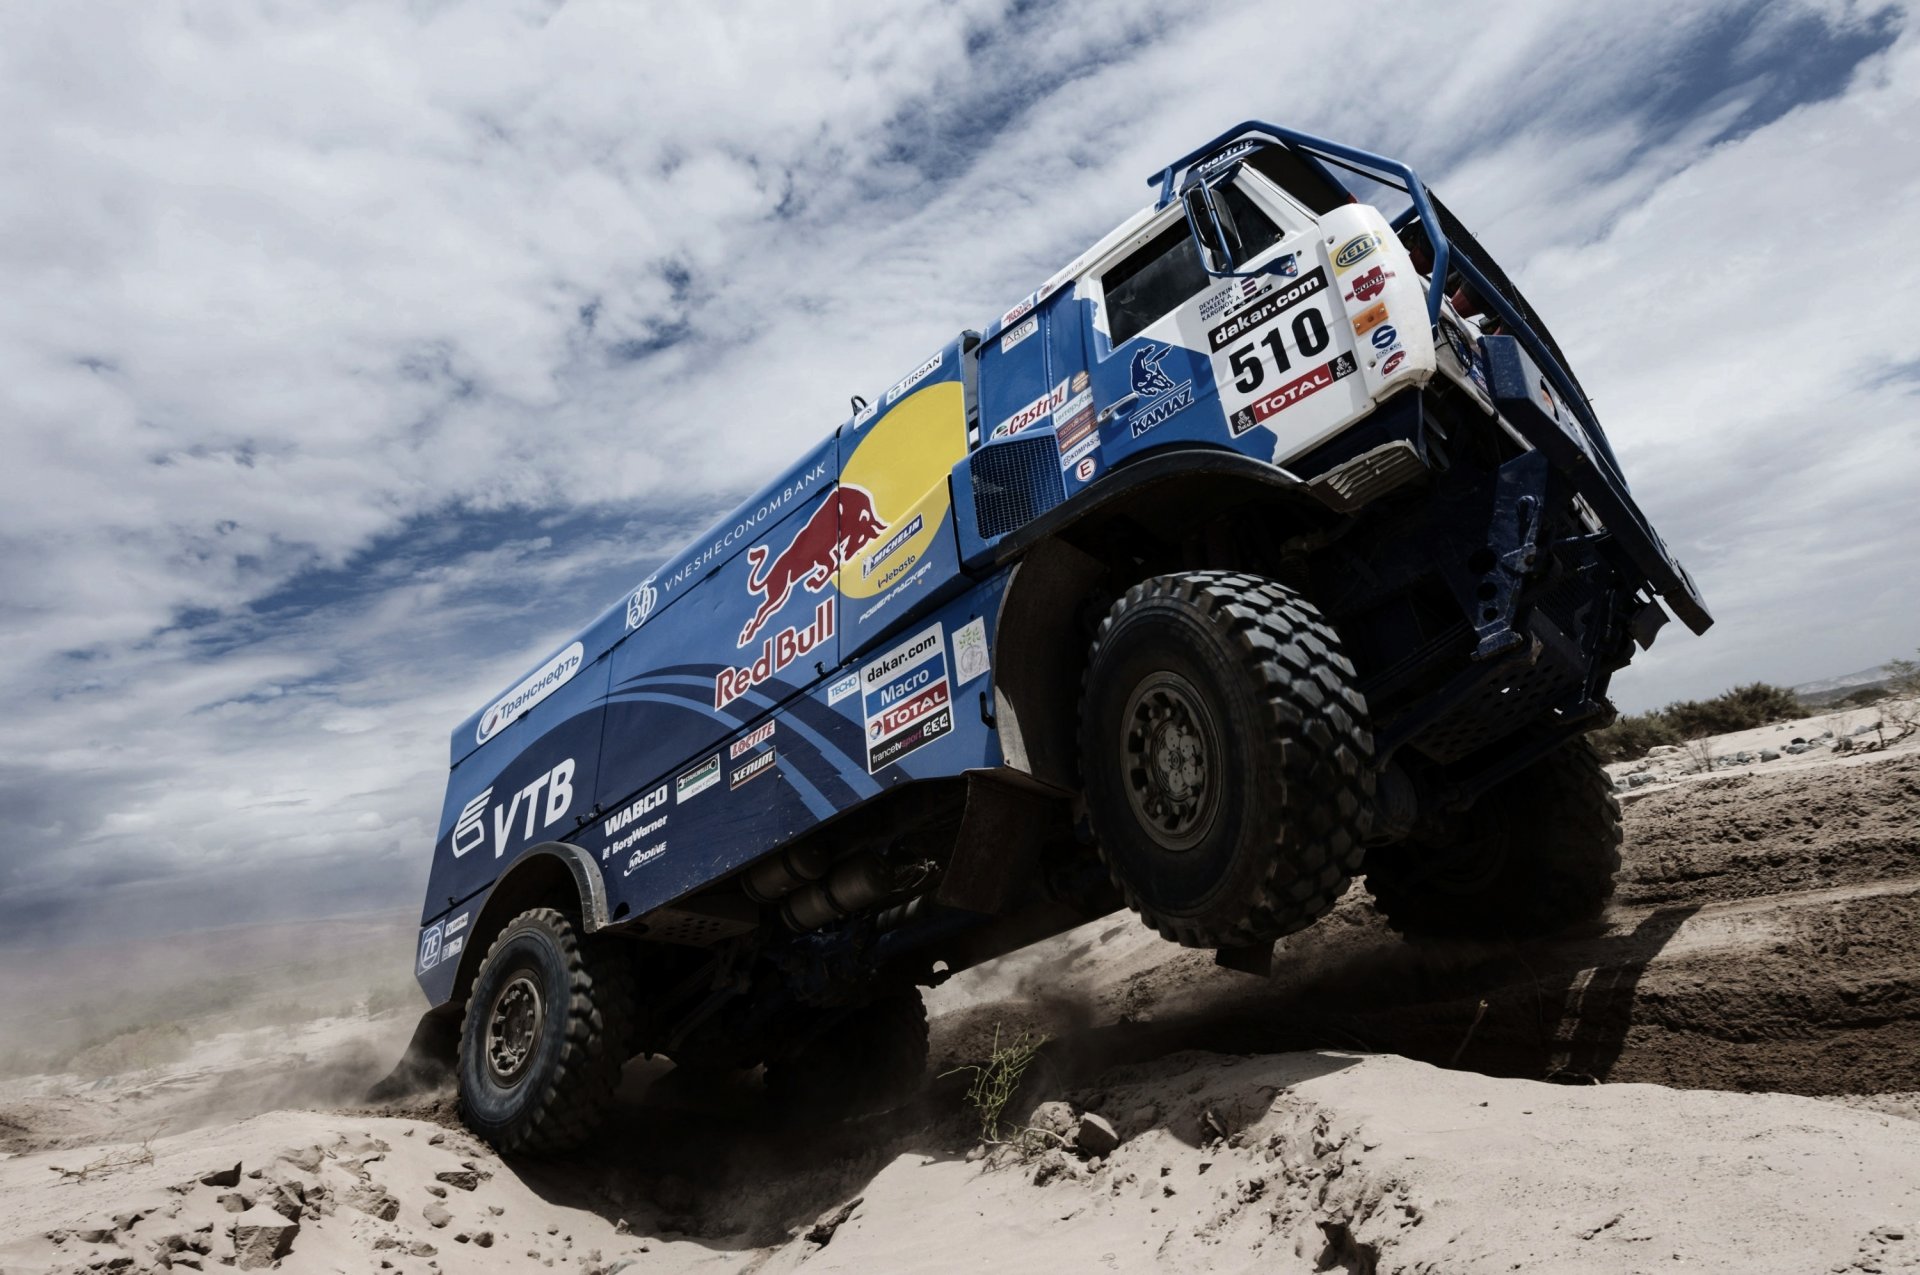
{"x": 470, "y": 829}
{"x": 1148, "y": 379}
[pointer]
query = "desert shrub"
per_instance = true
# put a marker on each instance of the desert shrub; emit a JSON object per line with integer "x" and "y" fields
{"x": 1861, "y": 698}
{"x": 997, "y": 1080}
{"x": 1633, "y": 736}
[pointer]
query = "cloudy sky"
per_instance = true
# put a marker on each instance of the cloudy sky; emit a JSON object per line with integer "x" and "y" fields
{"x": 351, "y": 353}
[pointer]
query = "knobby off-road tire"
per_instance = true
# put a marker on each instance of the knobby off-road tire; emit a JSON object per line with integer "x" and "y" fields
{"x": 1535, "y": 855}
{"x": 1226, "y": 757}
{"x": 547, "y": 1026}
{"x": 870, "y": 1060}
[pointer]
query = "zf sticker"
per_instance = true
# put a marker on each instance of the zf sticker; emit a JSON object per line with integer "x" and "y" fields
{"x": 430, "y": 947}
{"x": 907, "y": 698}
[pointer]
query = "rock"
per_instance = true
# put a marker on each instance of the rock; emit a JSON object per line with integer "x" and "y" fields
{"x": 1095, "y": 1136}
{"x": 98, "y": 1233}
{"x": 235, "y": 1202}
{"x": 1636, "y": 781}
{"x": 822, "y": 1230}
{"x": 375, "y": 1202}
{"x": 483, "y": 1240}
{"x": 1055, "y": 1118}
{"x": 1768, "y": 754}
{"x": 436, "y": 1215}
{"x": 262, "y": 1237}
{"x": 437, "y": 1191}
{"x": 437, "y": 1139}
{"x": 221, "y": 1177}
{"x": 306, "y": 1159}
{"x": 1664, "y": 750}
{"x": 420, "y": 1248}
{"x": 126, "y": 1221}
{"x": 463, "y": 1179}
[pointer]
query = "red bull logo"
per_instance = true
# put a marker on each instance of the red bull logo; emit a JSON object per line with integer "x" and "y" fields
{"x": 844, "y": 524}
{"x": 776, "y": 652}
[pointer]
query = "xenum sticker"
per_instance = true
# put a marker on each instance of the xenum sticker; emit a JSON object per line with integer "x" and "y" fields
{"x": 760, "y": 765}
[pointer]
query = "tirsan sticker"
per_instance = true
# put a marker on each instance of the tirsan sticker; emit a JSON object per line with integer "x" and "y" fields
{"x": 750, "y": 741}
{"x": 1354, "y": 251}
{"x": 1033, "y": 412}
{"x": 1255, "y": 316}
{"x": 970, "y": 650}
{"x": 696, "y": 781}
{"x": 1369, "y": 319}
{"x": 906, "y": 698}
{"x": 916, "y": 376}
{"x": 760, "y": 765}
{"x": 843, "y": 525}
{"x": 540, "y": 683}
{"x": 1269, "y": 405}
{"x": 1369, "y": 285}
{"x": 430, "y": 947}
{"x": 470, "y": 829}
{"x": 1014, "y": 336}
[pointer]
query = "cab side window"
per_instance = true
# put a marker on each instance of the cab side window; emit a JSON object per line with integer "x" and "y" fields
{"x": 1154, "y": 279}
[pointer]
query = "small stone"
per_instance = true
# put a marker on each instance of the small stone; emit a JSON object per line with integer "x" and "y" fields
{"x": 221, "y": 1177}
{"x": 437, "y": 1139}
{"x": 1144, "y": 1115}
{"x": 305, "y": 1159}
{"x": 235, "y": 1202}
{"x": 126, "y": 1221}
{"x": 420, "y": 1248}
{"x": 262, "y": 1237}
{"x": 374, "y": 1202}
{"x": 437, "y": 1191}
{"x": 483, "y": 1240}
{"x": 823, "y": 1229}
{"x": 95, "y": 1234}
{"x": 463, "y": 1179}
{"x": 496, "y": 1210}
{"x": 436, "y": 1215}
{"x": 1095, "y": 1136}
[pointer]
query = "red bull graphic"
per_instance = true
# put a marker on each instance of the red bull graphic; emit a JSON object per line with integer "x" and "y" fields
{"x": 844, "y": 524}
{"x": 776, "y": 652}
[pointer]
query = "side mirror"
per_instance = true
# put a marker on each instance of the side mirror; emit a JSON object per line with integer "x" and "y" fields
{"x": 1210, "y": 223}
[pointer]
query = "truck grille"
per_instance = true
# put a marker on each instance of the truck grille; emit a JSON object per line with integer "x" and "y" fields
{"x": 1015, "y": 482}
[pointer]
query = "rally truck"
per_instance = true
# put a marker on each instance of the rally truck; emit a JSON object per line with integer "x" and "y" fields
{"x": 1271, "y": 543}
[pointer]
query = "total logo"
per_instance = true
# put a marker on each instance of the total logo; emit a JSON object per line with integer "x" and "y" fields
{"x": 844, "y": 524}
{"x": 470, "y": 829}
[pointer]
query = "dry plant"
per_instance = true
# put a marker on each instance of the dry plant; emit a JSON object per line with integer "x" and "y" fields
{"x": 127, "y": 1159}
{"x": 996, "y": 1080}
{"x": 1699, "y": 754}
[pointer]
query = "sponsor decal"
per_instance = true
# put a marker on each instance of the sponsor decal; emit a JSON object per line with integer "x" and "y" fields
{"x": 633, "y": 838}
{"x": 843, "y": 687}
{"x": 1014, "y": 336}
{"x": 697, "y": 780}
{"x": 1466, "y": 353}
{"x": 641, "y": 858}
{"x": 892, "y": 546}
{"x": 752, "y": 770}
{"x": 970, "y": 650}
{"x": 539, "y": 684}
{"x": 452, "y": 948}
{"x": 1080, "y": 381}
{"x": 1370, "y": 318}
{"x": 1033, "y": 412}
{"x": 1081, "y": 448}
{"x": 1076, "y": 431}
{"x": 843, "y": 525}
{"x": 1079, "y": 404}
{"x": 906, "y": 698}
{"x": 776, "y": 653}
{"x": 470, "y": 829}
{"x": 1084, "y": 470}
{"x": 458, "y": 924}
{"x": 1269, "y": 405}
{"x": 1385, "y": 338}
{"x": 1258, "y": 315}
{"x": 1145, "y": 373}
{"x": 750, "y": 741}
{"x": 865, "y": 414}
{"x": 639, "y": 809}
{"x": 640, "y": 605}
{"x": 1019, "y": 311}
{"x": 1163, "y": 409}
{"x": 1354, "y": 251}
{"x": 1370, "y": 285}
{"x": 430, "y": 947}
{"x": 896, "y": 590}
{"x": 1233, "y": 293}
{"x": 695, "y": 565}
{"x": 1394, "y": 360}
{"x": 916, "y": 376}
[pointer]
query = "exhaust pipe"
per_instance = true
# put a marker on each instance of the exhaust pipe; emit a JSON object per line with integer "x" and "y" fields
{"x": 774, "y": 878}
{"x": 856, "y": 883}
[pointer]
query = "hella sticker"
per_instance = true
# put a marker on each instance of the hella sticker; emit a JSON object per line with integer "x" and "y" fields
{"x": 1354, "y": 251}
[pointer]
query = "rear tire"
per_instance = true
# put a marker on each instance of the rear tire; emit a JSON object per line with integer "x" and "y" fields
{"x": 1226, "y": 757}
{"x": 1535, "y": 855}
{"x": 545, "y": 1035}
{"x": 872, "y": 1059}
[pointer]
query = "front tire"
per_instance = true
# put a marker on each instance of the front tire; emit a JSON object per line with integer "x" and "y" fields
{"x": 1226, "y": 757}
{"x": 545, "y": 1035}
{"x": 1535, "y": 855}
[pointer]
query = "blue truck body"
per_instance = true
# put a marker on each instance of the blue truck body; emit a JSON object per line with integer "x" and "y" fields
{"x": 894, "y": 611}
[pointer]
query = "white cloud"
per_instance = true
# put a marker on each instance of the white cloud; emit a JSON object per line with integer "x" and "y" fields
{"x": 290, "y": 283}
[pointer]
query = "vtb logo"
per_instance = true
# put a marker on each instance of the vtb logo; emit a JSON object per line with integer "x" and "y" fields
{"x": 844, "y": 524}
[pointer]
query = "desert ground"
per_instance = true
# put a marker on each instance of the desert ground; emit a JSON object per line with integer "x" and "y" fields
{"x": 1722, "y": 1077}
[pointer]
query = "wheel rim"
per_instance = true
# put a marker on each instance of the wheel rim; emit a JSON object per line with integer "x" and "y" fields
{"x": 1171, "y": 751}
{"x": 513, "y": 1028}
